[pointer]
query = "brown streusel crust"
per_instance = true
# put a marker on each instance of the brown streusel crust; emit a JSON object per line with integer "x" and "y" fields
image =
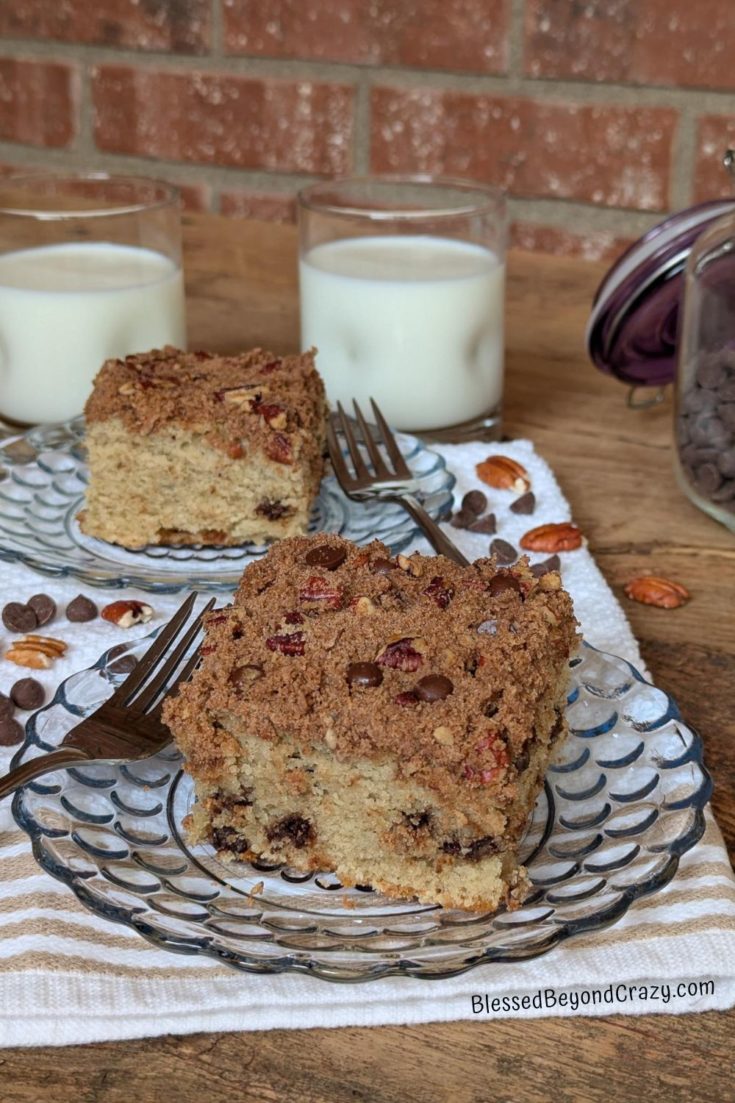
{"x": 212, "y": 449}
{"x": 277, "y": 737}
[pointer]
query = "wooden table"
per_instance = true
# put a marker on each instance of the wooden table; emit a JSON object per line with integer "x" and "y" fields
{"x": 615, "y": 466}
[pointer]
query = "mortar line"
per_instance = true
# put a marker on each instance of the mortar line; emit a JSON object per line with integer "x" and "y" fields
{"x": 714, "y": 101}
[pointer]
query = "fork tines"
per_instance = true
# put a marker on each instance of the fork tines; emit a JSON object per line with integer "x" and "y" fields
{"x": 358, "y": 433}
{"x": 152, "y": 673}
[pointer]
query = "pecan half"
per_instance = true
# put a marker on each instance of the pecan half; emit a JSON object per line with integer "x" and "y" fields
{"x": 35, "y": 652}
{"x": 127, "y": 613}
{"x": 661, "y": 592}
{"x": 503, "y": 474}
{"x": 554, "y": 537}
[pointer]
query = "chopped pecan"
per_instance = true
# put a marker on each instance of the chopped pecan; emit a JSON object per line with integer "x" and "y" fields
{"x": 244, "y": 395}
{"x": 288, "y": 643}
{"x": 273, "y": 414}
{"x": 402, "y": 654}
{"x": 504, "y": 474}
{"x": 278, "y": 448}
{"x": 319, "y": 589}
{"x": 554, "y": 537}
{"x": 439, "y": 592}
{"x": 661, "y": 592}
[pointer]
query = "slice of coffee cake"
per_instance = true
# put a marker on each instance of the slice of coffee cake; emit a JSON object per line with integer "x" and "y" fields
{"x": 196, "y": 448}
{"x": 388, "y": 719}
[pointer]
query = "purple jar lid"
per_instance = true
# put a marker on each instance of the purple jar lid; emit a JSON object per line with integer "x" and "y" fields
{"x": 632, "y": 329}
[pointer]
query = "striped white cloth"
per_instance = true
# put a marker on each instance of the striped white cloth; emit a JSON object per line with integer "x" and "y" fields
{"x": 66, "y": 976}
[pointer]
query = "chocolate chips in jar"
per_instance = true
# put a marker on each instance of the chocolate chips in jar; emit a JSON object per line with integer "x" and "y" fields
{"x": 705, "y": 428}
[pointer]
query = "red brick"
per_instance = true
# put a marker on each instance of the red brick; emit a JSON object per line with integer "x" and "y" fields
{"x": 594, "y": 245}
{"x": 614, "y": 156}
{"x": 182, "y": 26}
{"x": 469, "y": 35}
{"x": 263, "y": 206}
{"x": 221, "y": 118}
{"x": 676, "y": 42}
{"x": 715, "y": 134}
{"x": 194, "y": 197}
{"x": 37, "y": 102}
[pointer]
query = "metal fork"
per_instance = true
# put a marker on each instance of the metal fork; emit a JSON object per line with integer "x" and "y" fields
{"x": 382, "y": 483}
{"x": 127, "y": 726}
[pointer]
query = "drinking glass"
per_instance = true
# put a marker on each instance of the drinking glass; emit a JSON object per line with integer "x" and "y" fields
{"x": 90, "y": 268}
{"x": 402, "y": 287}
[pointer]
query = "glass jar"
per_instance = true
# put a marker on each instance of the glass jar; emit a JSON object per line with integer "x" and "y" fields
{"x": 705, "y": 382}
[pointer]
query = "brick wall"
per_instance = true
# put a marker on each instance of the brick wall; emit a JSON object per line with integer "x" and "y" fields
{"x": 597, "y": 116}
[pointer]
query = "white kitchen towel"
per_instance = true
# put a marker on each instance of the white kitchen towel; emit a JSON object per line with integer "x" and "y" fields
{"x": 66, "y": 976}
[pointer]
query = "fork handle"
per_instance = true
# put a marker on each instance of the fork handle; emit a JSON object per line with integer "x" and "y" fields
{"x": 439, "y": 541}
{"x": 21, "y": 775}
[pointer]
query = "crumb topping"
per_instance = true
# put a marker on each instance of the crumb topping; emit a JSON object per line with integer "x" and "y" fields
{"x": 255, "y": 399}
{"x": 415, "y": 659}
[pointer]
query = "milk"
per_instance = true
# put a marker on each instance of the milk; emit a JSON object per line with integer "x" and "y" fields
{"x": 64, "y": 309}
{"x": 416, "y": 322}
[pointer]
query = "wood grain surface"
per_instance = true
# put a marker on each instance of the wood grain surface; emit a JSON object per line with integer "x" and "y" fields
{"x": 615, "y": 466}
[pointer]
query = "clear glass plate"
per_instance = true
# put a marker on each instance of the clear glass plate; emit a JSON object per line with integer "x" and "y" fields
{"x": 622, "y": 802}
{"x": 43, "y": 476}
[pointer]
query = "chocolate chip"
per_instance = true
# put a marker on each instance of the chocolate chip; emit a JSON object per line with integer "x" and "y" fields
{"x": 486, "y": 525}
{"x": 491, "y": 706}
{"x": 44, "y": 607}
{"x": 226, "y": 838}
{"x": 475, "y": 502}
{"x": 726, "y": 493}
{"x": 711, "y": 372}
{"x": 382, "y": 566}
{"x": 7, "y": 708}
{"x": 28, "y": 694}
{"x": 502, "y": 583}
{"x": 708, "y": 478}
{"x": 19, "y": 618}
{"x": 463, "y": 518}
{"x": 700, "y": 401}
{"x": 525, "y": 504}
{"x": 553, "y": 563}
{"x": 727, "y": 413}
{"x": 503, "y": 551}
{"x": 295, "y": 828}
{"x": 522, "y": 760}
{"x": 81, "y": 609}
{"x": 326, "y": 556}
{"x": 483, "y": 848}
{"x": 11, "y": 732}
{"x": 726, "y": 463}
{"x": 418, "y": 820}
{"x": 434, "y": 687}
{"x": 122, "y": 662}
{"x": 272, "y": 509}
{"x": 364, "y": 674}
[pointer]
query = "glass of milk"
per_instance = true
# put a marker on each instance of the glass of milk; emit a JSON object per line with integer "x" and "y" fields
{"x": 402, "y": 286}
{"x": 90, "y": 268}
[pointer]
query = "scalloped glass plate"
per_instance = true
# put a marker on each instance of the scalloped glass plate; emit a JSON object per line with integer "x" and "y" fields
{"x": 43, "y": 476}
{"x": 622, "y": 801}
